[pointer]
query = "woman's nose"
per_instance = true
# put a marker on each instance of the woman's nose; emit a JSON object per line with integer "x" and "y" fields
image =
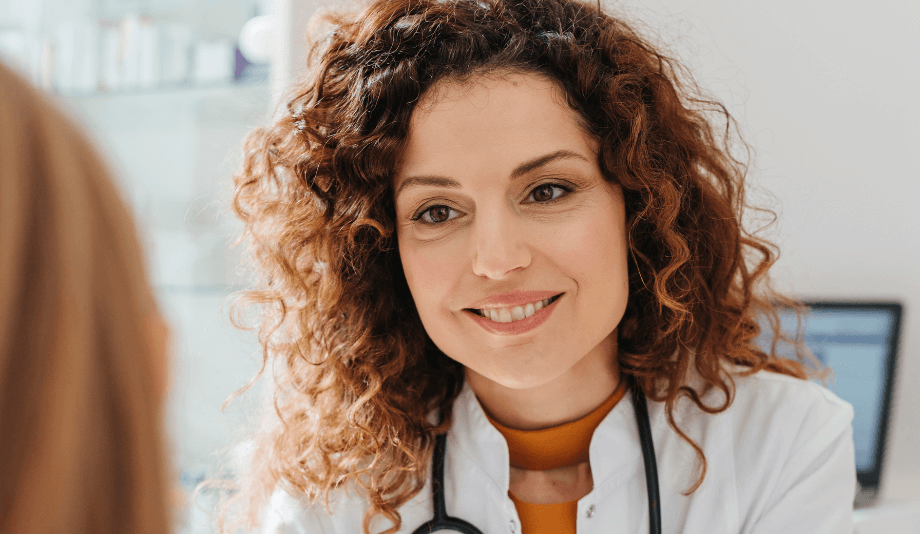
{"x": 499, "y": 245}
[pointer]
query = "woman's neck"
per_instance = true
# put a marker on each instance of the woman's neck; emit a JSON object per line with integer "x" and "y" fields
{"x": 570, "y": 396}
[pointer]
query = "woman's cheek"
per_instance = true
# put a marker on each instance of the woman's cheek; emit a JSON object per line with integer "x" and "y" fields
{"x": 427, "y": 270}
{"x": 568, "y": 242}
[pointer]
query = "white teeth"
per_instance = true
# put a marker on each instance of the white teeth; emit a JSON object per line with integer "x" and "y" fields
{"x": 505, "y": 315}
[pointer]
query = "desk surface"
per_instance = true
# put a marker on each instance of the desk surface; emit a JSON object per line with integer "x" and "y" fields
{"x": 898, "y": 517}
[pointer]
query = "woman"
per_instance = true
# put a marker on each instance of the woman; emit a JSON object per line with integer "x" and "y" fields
{"x": 82, "y": 348}
{"x": 489, "y": 220}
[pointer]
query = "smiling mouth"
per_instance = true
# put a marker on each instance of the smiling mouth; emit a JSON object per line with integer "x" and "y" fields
{"x": 513, "y": 313}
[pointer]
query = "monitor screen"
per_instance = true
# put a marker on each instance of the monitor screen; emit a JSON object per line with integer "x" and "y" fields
{"x": 859, "y": 342}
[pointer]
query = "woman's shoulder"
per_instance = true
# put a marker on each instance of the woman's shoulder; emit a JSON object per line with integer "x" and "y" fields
{"x": 771, "y": 416}
{"x": 765, "y": 402}
{"x": 782, "y": 443}
{"x": 793, "y": 444}
{"x": 286, "y": 514}
{"x": 290, "y": 514}
{"x": 788, "y": 416}
{"x": 792, "y": 404}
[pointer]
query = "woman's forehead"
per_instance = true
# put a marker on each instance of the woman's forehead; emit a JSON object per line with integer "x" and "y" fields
{"x": 477, "y": 85}
{"x": 490, "y": 117}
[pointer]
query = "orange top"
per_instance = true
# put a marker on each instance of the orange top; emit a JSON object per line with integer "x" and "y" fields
{"x": 550, "y": 448}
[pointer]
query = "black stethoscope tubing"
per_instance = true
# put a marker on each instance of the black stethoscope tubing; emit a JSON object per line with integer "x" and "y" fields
{"x": 442, "y": 521}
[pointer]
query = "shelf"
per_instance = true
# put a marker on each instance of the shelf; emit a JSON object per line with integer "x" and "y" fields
{"x": 191, "y": 91}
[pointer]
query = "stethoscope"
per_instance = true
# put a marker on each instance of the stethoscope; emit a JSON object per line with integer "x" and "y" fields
{"x": 442, "y": 521}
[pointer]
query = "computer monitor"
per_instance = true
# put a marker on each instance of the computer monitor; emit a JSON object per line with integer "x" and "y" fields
{"x": 859, "y": 341}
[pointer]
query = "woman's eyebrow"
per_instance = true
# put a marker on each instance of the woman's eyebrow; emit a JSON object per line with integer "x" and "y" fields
{"x": 520, "y": 170}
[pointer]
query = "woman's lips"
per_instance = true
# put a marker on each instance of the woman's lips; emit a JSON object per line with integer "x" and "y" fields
{"x": 516, "y": 327}
{"x": 512, "y": 299}
{"x": 514, "y": 313}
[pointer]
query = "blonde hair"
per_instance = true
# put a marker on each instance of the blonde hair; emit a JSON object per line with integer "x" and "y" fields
{"x": 81, "y": 446}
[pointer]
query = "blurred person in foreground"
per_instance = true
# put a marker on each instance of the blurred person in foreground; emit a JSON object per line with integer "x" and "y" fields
{"x": 82, "y": 346}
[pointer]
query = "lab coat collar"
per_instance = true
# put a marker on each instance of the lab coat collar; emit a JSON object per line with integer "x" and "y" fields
{"x": 614, "y": 452}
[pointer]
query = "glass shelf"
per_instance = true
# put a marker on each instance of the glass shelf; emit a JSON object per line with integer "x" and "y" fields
{"x": 81, "y": 47}
{"x": 244, "y": 89}
{"x": 177, "y": 89}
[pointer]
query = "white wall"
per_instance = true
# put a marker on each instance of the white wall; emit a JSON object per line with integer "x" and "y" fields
{"x": 826, "y": 92}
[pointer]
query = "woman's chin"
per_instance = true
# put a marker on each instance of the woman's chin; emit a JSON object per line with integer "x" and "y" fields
{"x": 518, "y": 378}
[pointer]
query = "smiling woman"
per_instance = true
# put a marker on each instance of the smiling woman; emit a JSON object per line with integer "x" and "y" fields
{"x": 482, "y": 222}
{"x": 528, "y": 210}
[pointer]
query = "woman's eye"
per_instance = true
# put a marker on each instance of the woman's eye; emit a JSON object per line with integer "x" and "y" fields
{"x": 544, "y": 192}
{"x": 440, "y": 213}
{"x": 434, "y": 215}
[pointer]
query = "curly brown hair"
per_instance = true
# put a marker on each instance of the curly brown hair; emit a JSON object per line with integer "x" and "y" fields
{"x": 356, "y": 375}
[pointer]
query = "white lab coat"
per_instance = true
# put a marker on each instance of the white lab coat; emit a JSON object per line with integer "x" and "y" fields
{"x": 780, "y": 460}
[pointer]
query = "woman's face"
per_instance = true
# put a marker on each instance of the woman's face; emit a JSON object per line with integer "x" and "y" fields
{"x": 500, "y": 192}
